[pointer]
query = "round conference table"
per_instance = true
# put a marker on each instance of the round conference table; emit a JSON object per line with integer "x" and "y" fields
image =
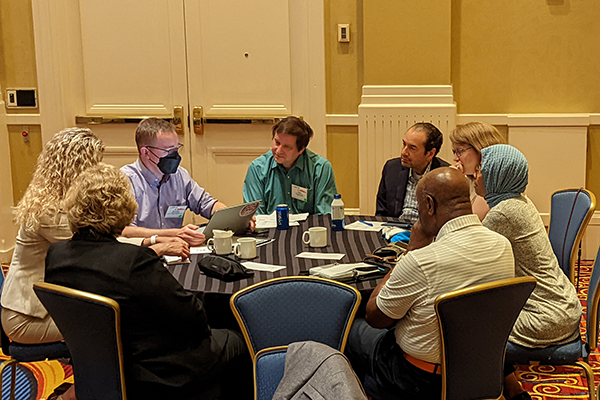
{"x": 354, "y": 244}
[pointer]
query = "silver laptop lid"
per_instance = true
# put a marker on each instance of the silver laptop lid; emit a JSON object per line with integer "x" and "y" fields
{"x": 234, "y": 218}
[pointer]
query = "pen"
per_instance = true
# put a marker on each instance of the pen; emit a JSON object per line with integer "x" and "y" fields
{"x": 265, "y": 242}
{"x": 366, "y": 223}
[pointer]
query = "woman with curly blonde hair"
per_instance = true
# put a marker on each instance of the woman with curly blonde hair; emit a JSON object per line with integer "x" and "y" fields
{"x": 42, "y": 221}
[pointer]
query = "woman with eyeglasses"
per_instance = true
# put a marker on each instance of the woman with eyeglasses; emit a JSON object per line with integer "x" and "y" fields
{"x": 552, "y": 313}
{"x": 467, "y": 142}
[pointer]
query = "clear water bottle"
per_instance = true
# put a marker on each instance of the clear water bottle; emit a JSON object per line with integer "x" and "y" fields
{"x": 337, "y": 213}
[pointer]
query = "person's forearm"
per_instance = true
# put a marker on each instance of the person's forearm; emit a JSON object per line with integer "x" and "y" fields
{"x": 137, "y": 231}
{"x": 217, "y": 206}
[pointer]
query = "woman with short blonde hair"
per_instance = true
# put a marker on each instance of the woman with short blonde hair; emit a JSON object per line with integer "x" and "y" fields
{"x": 42, "y": 220}
{"x": 170, "y": 349}
{"x": 467, "y": 142}
{"x": 105, "y": 206}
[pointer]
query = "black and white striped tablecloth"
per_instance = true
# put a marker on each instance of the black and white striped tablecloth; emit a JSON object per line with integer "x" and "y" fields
{"x": 354, "y": 244}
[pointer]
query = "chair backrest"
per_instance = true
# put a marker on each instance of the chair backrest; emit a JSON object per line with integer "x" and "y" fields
{"x": 475, "y": 324}
{"x": 281, "y": 311}
{"x": 91, "y": 327}
{"x": 593, "y": 305}
{"x": 566, "y": 235}
{"x": 269, "y": 367}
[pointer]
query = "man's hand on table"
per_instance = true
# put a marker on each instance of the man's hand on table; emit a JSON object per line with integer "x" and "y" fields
{"x": 190, "y": 234}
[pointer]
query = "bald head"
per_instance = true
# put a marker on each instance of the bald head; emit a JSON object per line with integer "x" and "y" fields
{"x": 443, "y": 194}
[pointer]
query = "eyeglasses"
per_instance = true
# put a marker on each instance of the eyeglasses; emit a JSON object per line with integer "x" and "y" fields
{"x": 459, "y": 152}
{"x": 166, "y": 152}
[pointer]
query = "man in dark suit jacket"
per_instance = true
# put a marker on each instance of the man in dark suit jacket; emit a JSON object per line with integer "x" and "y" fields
{"x": 421, "y": 144}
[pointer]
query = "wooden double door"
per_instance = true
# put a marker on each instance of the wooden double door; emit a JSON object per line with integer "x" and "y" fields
{"x": 224, "y": 69}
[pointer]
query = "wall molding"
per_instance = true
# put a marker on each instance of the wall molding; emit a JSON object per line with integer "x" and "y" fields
{"x": 23, "y": 119}
{"x": 341, "y": 119}
{"x": 551, "y": 119}
{"x": 238, "y": 151}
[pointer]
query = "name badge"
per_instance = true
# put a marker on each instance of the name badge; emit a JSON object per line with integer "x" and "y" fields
{"x": 299, "y": 193}
{"x": 175, "y": 211}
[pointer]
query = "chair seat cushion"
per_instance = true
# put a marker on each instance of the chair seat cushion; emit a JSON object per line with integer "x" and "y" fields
{"x": 38, "y": 352}
{"x": 552, "y": 355}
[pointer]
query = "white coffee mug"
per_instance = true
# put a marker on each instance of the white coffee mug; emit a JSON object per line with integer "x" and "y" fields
{"x": 221, "y": 242}
{"x": 317, "y": 236}
{"x": 246, "y": 248}
{"x": 222, "y": 234}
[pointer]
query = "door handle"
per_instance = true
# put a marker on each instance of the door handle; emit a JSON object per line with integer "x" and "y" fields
{"x": 197, "y": 120}
{"x": 178, "y": 119}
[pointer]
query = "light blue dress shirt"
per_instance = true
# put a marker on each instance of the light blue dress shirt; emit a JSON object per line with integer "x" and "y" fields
{"x": 154, "y": 199}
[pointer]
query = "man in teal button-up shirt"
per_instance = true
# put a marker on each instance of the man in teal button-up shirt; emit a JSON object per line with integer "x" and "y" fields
{"x": 290, "y": 173}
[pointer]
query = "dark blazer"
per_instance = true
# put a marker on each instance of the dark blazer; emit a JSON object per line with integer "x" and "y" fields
{"x": 392, "y": 187}
{"x": 167, "y": 342}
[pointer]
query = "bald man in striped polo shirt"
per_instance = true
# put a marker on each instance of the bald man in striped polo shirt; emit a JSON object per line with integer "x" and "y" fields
{"x": 397, "y": 350}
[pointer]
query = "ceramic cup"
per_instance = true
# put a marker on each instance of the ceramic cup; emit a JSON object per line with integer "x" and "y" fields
{"x": 315, "y": 236}
{"x": 221, "y": 242}
{"x": 246, "y": 248}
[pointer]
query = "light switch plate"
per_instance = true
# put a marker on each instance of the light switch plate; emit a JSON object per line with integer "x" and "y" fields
{"x": 344, "y": 33}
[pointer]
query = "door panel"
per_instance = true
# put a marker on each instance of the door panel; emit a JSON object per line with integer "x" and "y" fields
{"x": 133, "y": 56}
{"x": 239, "y": 57}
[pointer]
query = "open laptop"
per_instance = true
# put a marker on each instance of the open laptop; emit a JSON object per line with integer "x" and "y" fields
{"x": 235, "y": 218}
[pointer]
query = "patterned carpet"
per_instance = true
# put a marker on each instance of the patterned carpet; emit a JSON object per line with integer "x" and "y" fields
{"x": 38, "y": 380}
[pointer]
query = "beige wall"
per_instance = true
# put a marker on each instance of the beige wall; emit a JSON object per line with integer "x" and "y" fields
{"x": 18, "y": 69}
{"x": 344, "y": 61}
{"x": 407, "y": 42}
{"x": 526, "y": 56}
{"x": 343, "y": 156}
{"x": 518, "y": 56}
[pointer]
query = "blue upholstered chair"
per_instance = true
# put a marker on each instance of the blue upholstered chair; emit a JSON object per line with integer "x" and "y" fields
{"x": 19, "y": 353}
{"x": 91, "y": 326}
{"x": 475, "y": 324}
{"x": 269, "y": 367}
{"x": 281, "y": 311}
{"x": 574, "y": 353}
{"x": 570, "y": 212}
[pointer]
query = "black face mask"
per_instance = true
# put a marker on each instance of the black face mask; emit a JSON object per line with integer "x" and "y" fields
{"x": 168, "y": 164}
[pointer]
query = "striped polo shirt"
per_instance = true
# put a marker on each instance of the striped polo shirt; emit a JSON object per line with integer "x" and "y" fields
{"x": 464, "y": 253}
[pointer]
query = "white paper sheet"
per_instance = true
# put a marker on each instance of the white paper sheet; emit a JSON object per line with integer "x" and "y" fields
{"x": 175, "y": 260}
{"x": 368, "y": 226}
{"x": 298, "y": 217}
{"x": 200, "y": 250}
{"x": 270, "y": 221}
{"x": 262, "y": 267}
{"x": 321, "y": 256}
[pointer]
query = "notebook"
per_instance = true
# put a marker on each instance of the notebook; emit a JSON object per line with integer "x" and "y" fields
{"x": 235, "y": 218}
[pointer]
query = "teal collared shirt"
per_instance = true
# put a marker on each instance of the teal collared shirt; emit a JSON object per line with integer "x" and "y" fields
{"x": 270, "y": 182}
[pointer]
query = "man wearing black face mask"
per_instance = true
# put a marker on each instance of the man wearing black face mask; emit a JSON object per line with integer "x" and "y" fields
{"x": 163, "y": 189}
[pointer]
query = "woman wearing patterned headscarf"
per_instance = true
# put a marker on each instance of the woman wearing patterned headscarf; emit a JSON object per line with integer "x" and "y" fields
{"x": 551, "y": 315}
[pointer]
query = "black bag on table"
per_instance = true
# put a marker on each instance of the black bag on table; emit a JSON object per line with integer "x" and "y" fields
{"x": 224, "y": 268}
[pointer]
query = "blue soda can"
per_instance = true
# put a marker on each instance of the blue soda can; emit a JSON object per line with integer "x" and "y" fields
{"x": 283, "y": 217}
